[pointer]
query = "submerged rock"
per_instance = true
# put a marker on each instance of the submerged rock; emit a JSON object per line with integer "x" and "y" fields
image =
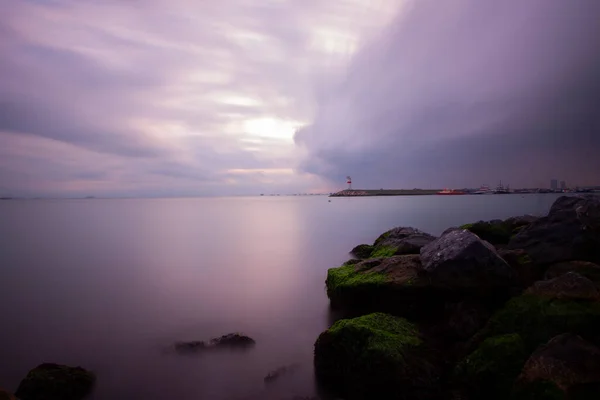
{"x": 374, "y": 356}
{"x": 567, "y": 364}
{"x": 571, "y": 231}
{"x": 461, "y": 260}
{"x": 281, "y": 371}
{"x": 56, "y": 382}
{"x": 231, "y": 340}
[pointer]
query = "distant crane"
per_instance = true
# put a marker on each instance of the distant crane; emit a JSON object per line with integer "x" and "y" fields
{"x": 349, "y": 182}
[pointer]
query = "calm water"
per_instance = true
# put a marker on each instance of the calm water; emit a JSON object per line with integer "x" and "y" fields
{"x": 109, "y": 284}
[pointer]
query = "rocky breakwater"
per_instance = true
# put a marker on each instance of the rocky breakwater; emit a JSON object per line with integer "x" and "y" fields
{"x": 497, "y": 310}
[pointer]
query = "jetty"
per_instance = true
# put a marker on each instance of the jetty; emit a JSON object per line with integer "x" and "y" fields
{"x": 383, "y": 192}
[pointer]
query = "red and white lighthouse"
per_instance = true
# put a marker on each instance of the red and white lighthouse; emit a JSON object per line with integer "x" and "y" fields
{"x": 349, "y": 182}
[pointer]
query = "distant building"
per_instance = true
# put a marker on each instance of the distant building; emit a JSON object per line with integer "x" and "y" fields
{"x": 563, "y": 185}
{"x": 554, "y": 184}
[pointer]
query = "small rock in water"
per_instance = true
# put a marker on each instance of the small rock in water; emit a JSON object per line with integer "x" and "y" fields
{"x": 231, "y": 340}
{"x": 277, "y": 373}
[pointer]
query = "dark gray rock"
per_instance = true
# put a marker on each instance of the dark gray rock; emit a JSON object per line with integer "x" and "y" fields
{"x": 460, "y": 259}
{"x": 281, "y": 371}
{"x": 571, "y": 231}
{"x": 570, "y": 286}
{"x": 231, "y": 340}
{"x": 56, "y": 382}
{"x": 405, "y": 240}
{"x": 362, "y": 251}
{"x": 567, "y": 361}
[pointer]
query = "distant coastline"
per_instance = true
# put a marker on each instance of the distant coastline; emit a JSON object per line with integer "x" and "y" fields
{"x": 426, "y": 192}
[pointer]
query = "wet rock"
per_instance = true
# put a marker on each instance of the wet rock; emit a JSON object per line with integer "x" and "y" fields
{"x": 4, "y": 395}
{"x": 567, "y": 363}
{"x": 499, "y": 232}
{"x": 400, "y": 241}
{"x": 490, "y": 371}
{"x": 281, "y": 371}
{"x": 526, "y": 270}
{"x": 584, "y": 268}
{"x": 571, "y": 231}
{"x": 56, "y": 382}
{"x": 380, "y": 284}
{"x": 460, "y": 260}
{"x": 231, "y": 341}
{"x": 362, "y": 251}
{"x": 568, "y": 286}
{"x": 374, "y": 356}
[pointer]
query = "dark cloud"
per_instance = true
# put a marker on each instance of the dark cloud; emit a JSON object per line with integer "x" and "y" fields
{"x": 462, "y": 92}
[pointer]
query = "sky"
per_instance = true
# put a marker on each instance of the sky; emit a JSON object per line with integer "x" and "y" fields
{"x": 192, "y": 98}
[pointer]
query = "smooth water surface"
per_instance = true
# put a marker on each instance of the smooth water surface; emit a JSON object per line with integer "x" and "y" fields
{"x": 110, "y": 284}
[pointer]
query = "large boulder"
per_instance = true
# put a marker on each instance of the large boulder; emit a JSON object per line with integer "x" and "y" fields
{"x": 571, "y": 231}
{"x": 570, "y": 286}
{"x": 461, "y": 260}
{"x": 374, "y": 356}
{"x": 362, "y": 251}
{"x": 379, "y": 284}
{"x": 567, "y": 364}
{"x": 490, "y": 371}
{"x": 399, "y": 241}
{"x": 56, "y": 382}
{"x": 499, "y": 232}
{"x": 544, "y": 312}
{"x": 584, "y": 268}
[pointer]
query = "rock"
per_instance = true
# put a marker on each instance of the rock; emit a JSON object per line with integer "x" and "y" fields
{"x": 231, "y": 340}
{"x": 4, "y": 395}
{"x": 374, "y": 356}
{"x": 498, "y": 232}
{"x": 567, "y": 362}
{"x": 462, "y": 320}
{"x": 400, "y": 241}
{"x": 568, "y": 286}
{"x": 279, "y": 372}
{"x": 527, "y": 271}
{"x": 569, "y": 232}
{"x": 490, "y": 371}
{"x": 394, "y": 284}
{"x": 56, "y": 382}
{"x": 362, "y": 251}
{"x": 538, "y": 318}
{"x": 584, "y": 268}
{"x": 461, "y": 260}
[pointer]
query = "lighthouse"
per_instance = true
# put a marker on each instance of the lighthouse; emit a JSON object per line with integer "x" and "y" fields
{"x": 349, "y": 182}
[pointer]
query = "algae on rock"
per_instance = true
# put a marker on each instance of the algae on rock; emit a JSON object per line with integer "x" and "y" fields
{"x": 375, "y": 355}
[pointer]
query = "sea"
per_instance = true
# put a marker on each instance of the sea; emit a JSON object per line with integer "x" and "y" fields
{"x": 112, "y": 284}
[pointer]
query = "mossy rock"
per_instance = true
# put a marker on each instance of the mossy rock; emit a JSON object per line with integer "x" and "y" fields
{"x": 495, "y": 232}
{"x": 374, "y": 356}
{"x": 394, "y": 284}
{"x": 537, "y": 319}
{"x": 56, "y": 382}
{"x": 362, "y": 251}
{"x": 491, "y": 370}
{"x": 538, "y": 390}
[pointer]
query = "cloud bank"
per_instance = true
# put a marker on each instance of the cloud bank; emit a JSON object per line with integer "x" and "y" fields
{"x": 463, "y": 92}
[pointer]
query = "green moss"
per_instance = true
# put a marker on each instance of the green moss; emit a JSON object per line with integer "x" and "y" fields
{"x": 539, "y": 319}
{"x": 384, "y": 251}
{"x": 382, "y": 237}
{"x": 491, "y": 370}
{"x": 346, "y": 278}
{"x": 372, "y": 354}
{"x": 538, "y": 390}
